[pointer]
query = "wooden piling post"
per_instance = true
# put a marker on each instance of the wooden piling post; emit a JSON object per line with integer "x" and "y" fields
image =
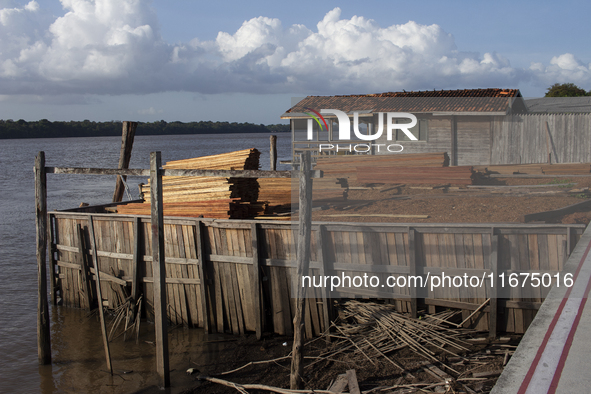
{"x": 43, "y": 331}
{"x": 273, "y": 152}
{"x": 99, "y": 295}
{"x": 124, "y": 157}
{"x": 303, "y": 263}
{"x": 159, "y": 269}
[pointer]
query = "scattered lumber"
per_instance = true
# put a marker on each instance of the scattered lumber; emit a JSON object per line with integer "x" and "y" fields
{"x": 549, "y": 216}
{"x": 459, "y": 175}
{"x": 537, "y": 169}
{"x": 241, "y": 388}
{"x": 340, "y": 166}
{"x": 377, "y": 215}
{"x": 372, "y": 331}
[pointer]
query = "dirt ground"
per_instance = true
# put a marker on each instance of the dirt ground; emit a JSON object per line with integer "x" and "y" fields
{"x": 496, "y": 202}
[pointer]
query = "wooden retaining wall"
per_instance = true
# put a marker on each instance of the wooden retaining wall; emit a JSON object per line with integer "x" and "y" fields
{"x": 248, "y": 279}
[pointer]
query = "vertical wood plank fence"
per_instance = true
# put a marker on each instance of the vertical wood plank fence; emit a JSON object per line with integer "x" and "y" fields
{"x": 237, "y": 276}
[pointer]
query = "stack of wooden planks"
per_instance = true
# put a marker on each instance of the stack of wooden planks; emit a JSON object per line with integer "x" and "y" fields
{"x": 537, "y": 169}
{"x": 276, "y": 193}
{"x": 460, "y": 175}
{"x": 212, "y": 197}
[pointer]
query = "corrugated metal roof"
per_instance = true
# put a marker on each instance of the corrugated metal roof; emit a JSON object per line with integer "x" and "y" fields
{"x": 559, "y": 104}
{"x": 487, "y": 101}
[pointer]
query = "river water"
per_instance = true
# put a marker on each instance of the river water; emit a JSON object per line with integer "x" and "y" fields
{"x": 78, "y": 359}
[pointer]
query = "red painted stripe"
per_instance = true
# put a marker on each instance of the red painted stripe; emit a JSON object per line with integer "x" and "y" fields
{"x": 532, "y": 368}
{"x": 569, "y": 341}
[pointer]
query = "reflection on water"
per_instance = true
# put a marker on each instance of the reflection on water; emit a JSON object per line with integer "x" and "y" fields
{"x": 79, "y": 360}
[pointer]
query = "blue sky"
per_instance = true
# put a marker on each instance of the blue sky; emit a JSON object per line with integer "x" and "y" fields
{"x": 243, "y": 61}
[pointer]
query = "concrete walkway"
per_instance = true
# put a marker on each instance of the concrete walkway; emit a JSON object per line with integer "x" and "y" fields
{"x": 554, "y": 355}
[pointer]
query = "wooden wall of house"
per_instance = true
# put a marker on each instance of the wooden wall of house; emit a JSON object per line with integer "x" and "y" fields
{"x": 230, "y": 264}
{"x": 511, "y": 139}
{"x": 473, "y": 139}
{"x": 529, "y": 138}
{"x": 439, "y": 138}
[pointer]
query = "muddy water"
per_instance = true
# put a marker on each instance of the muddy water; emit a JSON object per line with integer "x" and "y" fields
{"x": 78, "y": 357}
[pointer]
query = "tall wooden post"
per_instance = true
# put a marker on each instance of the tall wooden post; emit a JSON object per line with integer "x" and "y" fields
{"x": 99, "y": 294}
{"x": 303, "y": 263}
{"x": 124, "y": 157}
{"x": 159, "y": 269}
{"x": 273, "y": 152}
{"x": 43, "y": 332}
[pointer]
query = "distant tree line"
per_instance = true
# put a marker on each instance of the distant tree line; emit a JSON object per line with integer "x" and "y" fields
{"x": 10, "y": 129}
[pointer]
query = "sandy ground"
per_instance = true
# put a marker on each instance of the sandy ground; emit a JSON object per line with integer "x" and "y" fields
{"x": 497, "y": 203}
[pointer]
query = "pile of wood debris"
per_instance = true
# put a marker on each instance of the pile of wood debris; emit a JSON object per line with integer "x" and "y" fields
{"x": 374, "y": 349}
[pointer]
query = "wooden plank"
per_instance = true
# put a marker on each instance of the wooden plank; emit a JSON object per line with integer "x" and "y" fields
{"x": 551, "y": 215}
{"x": 159, "y": 269}
{"x": 99, "y": 294}
{"x": 340, "y": 384}
{"x": 172, "y": 272}
{"x": 186, "y": 292}
{"x": 200, "y": 246}
{"x": 43, "y": 318}
{"x": 53, "y": 286}
{"x": 277, "y": 305}
{"x": 87, "y": 286}
{"x": 493, "y": 290}
{"x": 303, "y": 257}
{"x": 353, "y": 384}
{"x": 321, "y": 255}
{"x": 135, "y": 266}
{"x": 174, "y": 281}
{"x": 193, "y": 273}
{"x": 237, "y": 299}
{"x": 217, "y": 277}
{"x": 412, "y": 252}
{"x": 256, "y": 280}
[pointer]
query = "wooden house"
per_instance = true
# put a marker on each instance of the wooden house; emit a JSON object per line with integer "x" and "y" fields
{"x": 474, "y": 126}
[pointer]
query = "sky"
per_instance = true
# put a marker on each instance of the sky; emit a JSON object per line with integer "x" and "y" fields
{"x": 244, "y": 61}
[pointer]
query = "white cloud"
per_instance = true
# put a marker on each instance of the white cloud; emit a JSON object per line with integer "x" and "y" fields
{"x": 115, "y": 47}
{"x": 150, "y": 111}
{"x": 563, "y": 68}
